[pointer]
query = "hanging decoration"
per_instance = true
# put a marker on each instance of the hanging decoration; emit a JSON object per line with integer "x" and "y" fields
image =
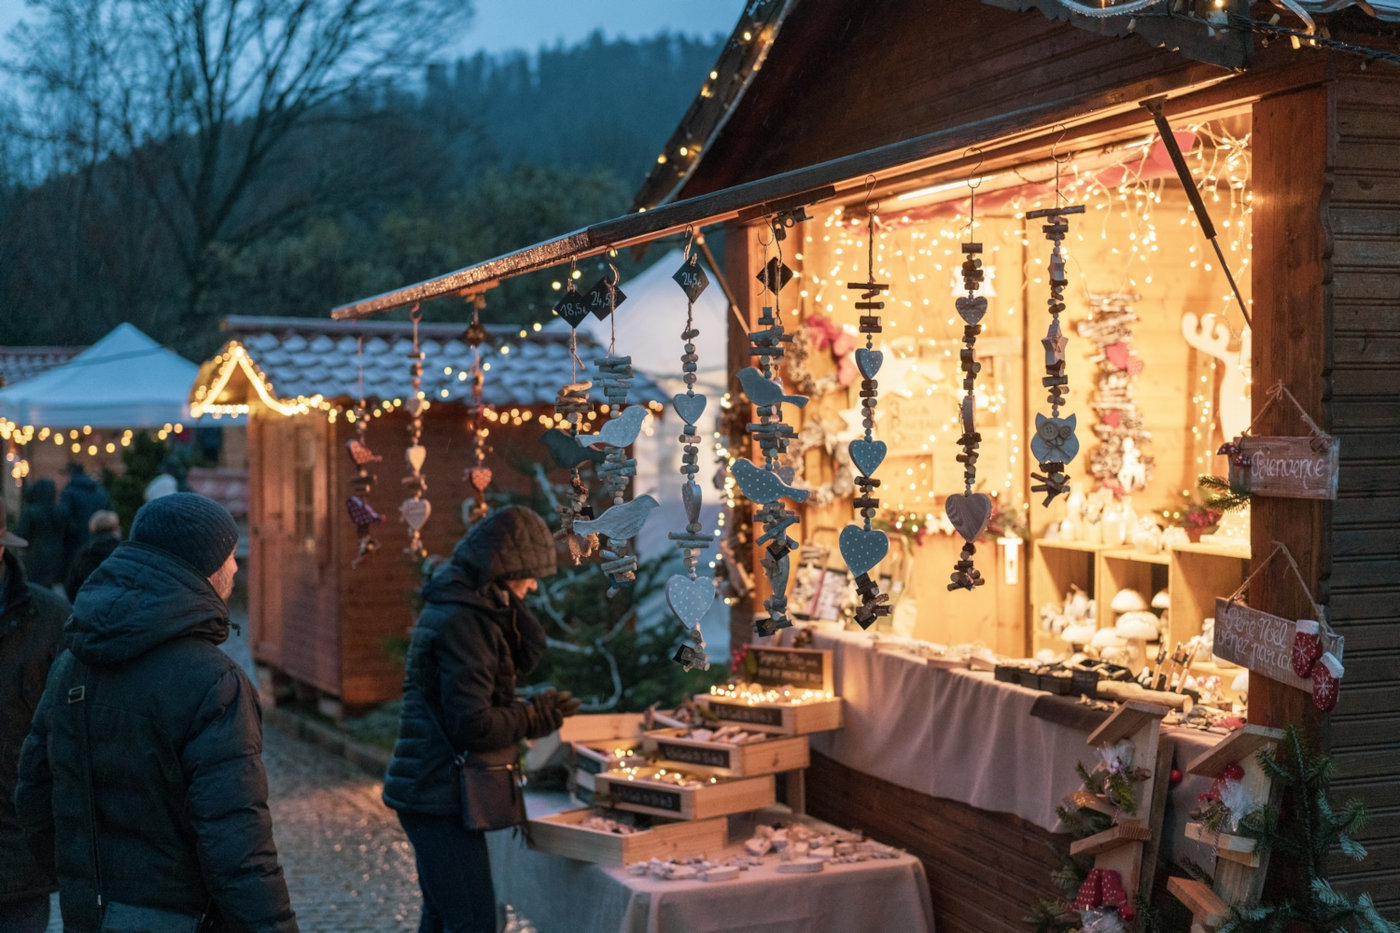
{"x": 689, "y": 595}
{"x": 768, "y": 485}
{"x": 570, "y": 405}
{"x": 361, "y": 512}
{"x": 1054, "y": 443}
{"x": 623, "y": 519}
{"x": 863, "y": 547}
{"x": 1120, "y": 461}
{"x": 477, "y": 474}
{"x": 969, "y": 511}
{"x": 416, "y": 508}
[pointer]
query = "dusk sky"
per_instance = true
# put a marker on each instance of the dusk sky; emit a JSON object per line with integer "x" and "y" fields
{"x": 529, "y": 24}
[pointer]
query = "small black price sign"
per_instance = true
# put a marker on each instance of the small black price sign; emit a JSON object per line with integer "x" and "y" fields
{"x": 692, "y": 279}
{"x": 572, "y": 307}
{"x": 599, "y": 302}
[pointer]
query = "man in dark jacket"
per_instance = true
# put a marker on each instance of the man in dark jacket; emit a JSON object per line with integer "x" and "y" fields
{"x": 31, "y": 636}
{"x": 142, "y": 776}
{"x": 474, "y": 635}
{"x": 80, "y": 498}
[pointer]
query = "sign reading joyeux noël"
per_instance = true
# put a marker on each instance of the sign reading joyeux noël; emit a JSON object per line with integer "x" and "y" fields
{"x": 1287, "y": 467}
{"x": 1263, "y": 642}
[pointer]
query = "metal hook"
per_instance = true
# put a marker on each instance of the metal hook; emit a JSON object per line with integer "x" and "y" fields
{"x": 976, "y": 168}
{"x": 1056, "y": 144}
{"x": 689, "y": 240}
{"x": 870, "y": 209}
{"x": 415, "y": 314}
{"x": 616, "y": 277}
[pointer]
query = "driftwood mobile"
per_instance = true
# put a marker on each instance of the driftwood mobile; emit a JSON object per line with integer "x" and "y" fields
{"x": 1231, "y": 171}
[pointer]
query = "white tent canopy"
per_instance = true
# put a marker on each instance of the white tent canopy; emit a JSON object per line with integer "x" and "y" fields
{"x": 125, "y": 380}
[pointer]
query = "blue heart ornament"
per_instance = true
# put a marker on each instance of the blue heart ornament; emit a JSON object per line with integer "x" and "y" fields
{"x": 868, "y": 455}
{"x": 689, "y": 407}
{"x": 869, "y": 362}
{"x": 690, "y": 599}
{"x": 862, "y": 549}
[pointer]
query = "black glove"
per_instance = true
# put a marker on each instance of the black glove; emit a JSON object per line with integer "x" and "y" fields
{"x": 543, "y": 714}
{"x": 566, "y": 703}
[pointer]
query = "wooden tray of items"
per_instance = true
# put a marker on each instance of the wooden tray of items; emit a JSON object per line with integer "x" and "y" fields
{"x": 776, "y": 718}
{"x": 653, "y": 790}
{"x": 566, "y": 834}
{"x": 706, "y": 751}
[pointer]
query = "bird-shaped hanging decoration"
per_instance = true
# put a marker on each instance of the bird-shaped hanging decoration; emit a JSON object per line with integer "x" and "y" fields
{"x": 768, "y": 485}
{"x": 863, "y": 547}
{"x": 1054, "y": 443}
{"x": 969, "y": 511}
{"x": 615, "y": 377}
{"x": 689, "y": 595}
{"x": 477, "y": 474}
{"x": 361, "y": 513}
{"x": 414, "y": 510}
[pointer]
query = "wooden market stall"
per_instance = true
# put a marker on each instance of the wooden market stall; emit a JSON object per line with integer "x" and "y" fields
{"x": 821, "y": 114}
{"x": 322, "y": 622}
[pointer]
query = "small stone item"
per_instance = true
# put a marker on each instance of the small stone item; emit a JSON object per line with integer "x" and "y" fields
{"x": 769, "y": 482}
{"x": 689, "y": 595}
{"x": 1054, "y": 444}
{"x": 863, "y": 547}
{"x": 969, "y": 511}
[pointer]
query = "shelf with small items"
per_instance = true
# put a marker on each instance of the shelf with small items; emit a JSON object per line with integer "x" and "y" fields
{"x": 1061, "y": 572}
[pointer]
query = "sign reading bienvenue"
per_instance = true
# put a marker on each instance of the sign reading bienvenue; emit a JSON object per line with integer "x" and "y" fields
{"x": 1287, "y": 467}
{"x": 1263, "y": 642}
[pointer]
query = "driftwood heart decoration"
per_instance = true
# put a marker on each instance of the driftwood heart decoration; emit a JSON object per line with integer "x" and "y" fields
{"x": 868, "y": 455}
{"x": 869, "y": 362}
{"x": 689, "y": 407}
{"x": 415, "y": 512}
{"x": 416, "y": 456}
{"x": 862, "y": 549}
{"x": 969, "y": 514}
{"x": 690, "y": 599}
{"x": 971, "y": 309}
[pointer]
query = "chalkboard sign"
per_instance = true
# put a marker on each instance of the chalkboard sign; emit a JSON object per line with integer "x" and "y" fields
{"x": 1287, "y": 467}
{"x": 628, "y": 792}
{"x": 751, "y": 715}
{"x": 805, "y": 668}
{"x": 694, "y": 755}
{"x": 1263, "y": 642}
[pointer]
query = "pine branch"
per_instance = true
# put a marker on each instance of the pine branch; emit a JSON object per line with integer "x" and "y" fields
{"x": 1220, "y": 494}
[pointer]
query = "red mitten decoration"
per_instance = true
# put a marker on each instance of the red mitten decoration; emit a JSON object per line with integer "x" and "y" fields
{"x": 1327, "y": 681}
{"x": 1091, "y": 891}
{"x": 1114, "y": 895}
{"x": 1307, "y": 647}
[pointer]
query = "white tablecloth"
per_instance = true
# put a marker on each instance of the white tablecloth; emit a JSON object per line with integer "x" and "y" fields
{"x": 561, "y": 895}
{"x": 960, "y": 734}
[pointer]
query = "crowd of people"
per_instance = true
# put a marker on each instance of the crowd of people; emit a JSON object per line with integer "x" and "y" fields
{"x": 177, "y": 838}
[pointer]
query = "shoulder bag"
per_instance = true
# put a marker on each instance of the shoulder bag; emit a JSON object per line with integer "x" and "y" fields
{"x": 489, "y": 784}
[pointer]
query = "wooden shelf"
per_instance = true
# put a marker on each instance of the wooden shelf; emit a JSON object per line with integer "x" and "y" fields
{"x": 1114, "y": 836}
{"x": 1127, "y": 720}
{"x": 1056, "y": 566}
{"x": 1087, "y": 801}
{"x": 1226, "y": 845}
{"x": 1241, "y": 745}
{"x": 1207, "y": 908}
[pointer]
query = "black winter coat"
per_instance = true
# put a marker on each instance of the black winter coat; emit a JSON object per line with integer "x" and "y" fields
{"x": 175, "y": 735}
{"x": 31, "y": 636}
{"x": 468, "y": 646}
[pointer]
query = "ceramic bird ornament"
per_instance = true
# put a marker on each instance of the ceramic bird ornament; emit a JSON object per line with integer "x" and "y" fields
{"x": 762, "y": 486}
{"x": 620, "y": 431}
{"x": 762, "y": 391}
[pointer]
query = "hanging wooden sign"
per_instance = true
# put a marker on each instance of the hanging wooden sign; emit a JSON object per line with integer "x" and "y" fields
{"x": 1263, "y": 642}
{"x": 1286, "y": 467}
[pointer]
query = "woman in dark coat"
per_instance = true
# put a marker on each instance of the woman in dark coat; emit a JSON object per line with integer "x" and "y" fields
{"x": 42, "y": 525}
{"x": 472, "y": 639}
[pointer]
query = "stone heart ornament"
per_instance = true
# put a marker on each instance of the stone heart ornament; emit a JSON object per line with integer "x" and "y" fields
{"x": 862, "y": 549}
{"x": 689, "y": 407}
{"x": 415, "y": 512}
{"x": 416, "y": 456}
{"x": 869, "y": 362}
{"x": 971, "y": 309}
{"x": 690, "y": 599}
{"x": 969, "y": 514}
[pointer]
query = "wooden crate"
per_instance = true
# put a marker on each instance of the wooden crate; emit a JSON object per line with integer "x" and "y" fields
{"x": 562, "y": 834}
{"x": 598, "y": 729}
{"x": 697, "y": 802}
{"x": 777, "y": 718}
{"x": 725, "y": 759}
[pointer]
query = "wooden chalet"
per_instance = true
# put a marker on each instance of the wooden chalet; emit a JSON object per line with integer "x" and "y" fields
{"x": 322, "y": 625}
{"x": 818, "y": 111}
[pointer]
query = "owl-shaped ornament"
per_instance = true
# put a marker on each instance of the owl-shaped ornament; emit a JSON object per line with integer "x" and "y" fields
{"x": 1054, "y": 440}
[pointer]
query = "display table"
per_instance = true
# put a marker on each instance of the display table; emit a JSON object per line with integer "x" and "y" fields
{"x": 962, "y": 735}
{"x": 561, "y": 895}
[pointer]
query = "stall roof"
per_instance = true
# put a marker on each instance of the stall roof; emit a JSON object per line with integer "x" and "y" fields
{"x": 125, "y": 380}
{"x": 20, "y": 363}
{"x": 295, "y": 364}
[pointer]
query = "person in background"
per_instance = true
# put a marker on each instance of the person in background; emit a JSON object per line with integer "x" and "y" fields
{"x": 79, "y": 499}
{"x": 104, "y": 534}
{"x": 141, "y": 778}
{"x": 474, "y": 636}
{"x": 171, "y": 478}
{"x": 31, "y": 636}
{"x": 41, "y": 524}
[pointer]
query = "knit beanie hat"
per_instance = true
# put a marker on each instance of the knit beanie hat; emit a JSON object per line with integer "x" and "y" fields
{"x": 509, "y": 543}
{"x": 194, "y": 528}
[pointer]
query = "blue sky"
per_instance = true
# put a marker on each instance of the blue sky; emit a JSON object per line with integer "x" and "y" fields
{"x": 529, "y": 24}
